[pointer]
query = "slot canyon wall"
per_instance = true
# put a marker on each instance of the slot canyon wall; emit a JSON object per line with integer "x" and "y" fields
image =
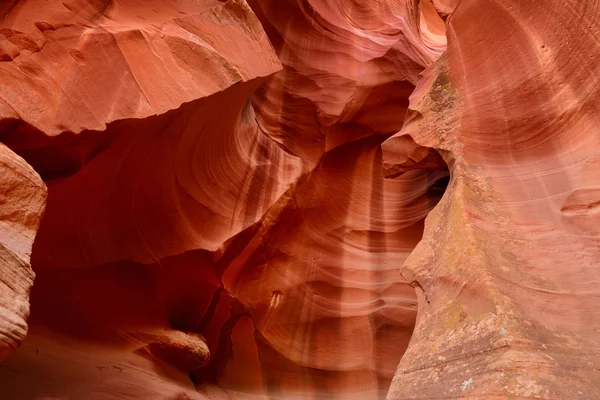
{"x": 299, "y": 199}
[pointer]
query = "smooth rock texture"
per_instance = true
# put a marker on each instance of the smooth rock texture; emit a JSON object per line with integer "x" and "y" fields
{"x": 182, "y": 234}
{"x": 180, "y": 167}
{"x": 319, "y": 278}
{"x": 348, "y": 69}
{"x": 299, "y": 199}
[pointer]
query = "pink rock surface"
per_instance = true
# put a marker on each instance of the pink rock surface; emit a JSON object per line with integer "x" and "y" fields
{"x": 248, "y": 201}
{"x": 156, "y": 55}
{"x": 507, "y": 268}
{"x": 348, "y": 69}
{"x": 177, "y": 197}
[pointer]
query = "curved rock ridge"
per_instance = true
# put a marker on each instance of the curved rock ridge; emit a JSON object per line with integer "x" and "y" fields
{"x": 154, "y": 58}
{"x": 51, "y": 365}
{"x": 22, "y": 201}
{"x": 508, "y": 265}
{"x": 349, "y": 68}
{"x": 156, "y": 55}
{"x": 188, "y": 179}
{"x": 299, "y": 199}
{"x": 142, "y": 186}
{"x": 329, "y": 247}
{"x": 319, "y": 280}
{"x": 183, "y": 238}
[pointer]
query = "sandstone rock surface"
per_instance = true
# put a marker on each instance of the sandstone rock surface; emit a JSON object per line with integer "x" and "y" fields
{"x": 299, "y": 199}
{"x": 508, "y": 265}
{"x": 22, "y": 199}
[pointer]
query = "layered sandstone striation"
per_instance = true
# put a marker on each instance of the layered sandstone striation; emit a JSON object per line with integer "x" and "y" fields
{"x": 22, "y": 200}
{"x": 508, "y": 265}
{"x": 137, "y": 116}
{"x": 248, "y": 200}
{"x": 348, "y": 69}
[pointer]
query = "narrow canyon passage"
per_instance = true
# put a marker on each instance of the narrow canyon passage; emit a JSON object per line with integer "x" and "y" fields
{"x": 243, "y": 243}
{"x": 306, "y": 303}
{"x": 299, "y": 199}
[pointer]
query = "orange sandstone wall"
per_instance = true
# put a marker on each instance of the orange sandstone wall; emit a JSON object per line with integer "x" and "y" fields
{"x": 248, "y": 200}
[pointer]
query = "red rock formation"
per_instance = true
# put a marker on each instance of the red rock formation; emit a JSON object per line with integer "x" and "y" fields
{"x": 349, "y": 68}
{"x": 507, "y": 268}
{"x": 219, "y": 223}
{"x": 319, "y": 278}
{"x": 144, "y": 209}
{"x": 192, "y": 159}
{"x": 137, "y": 115}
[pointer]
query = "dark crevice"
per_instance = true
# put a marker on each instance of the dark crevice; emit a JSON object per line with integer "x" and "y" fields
{"x": 440, "y": 185}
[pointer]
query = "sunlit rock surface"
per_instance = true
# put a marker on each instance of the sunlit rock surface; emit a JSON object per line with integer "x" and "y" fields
{"x": 243, "y": 199}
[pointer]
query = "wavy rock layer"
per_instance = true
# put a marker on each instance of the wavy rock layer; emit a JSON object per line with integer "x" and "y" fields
{"x": 183, "y": 167}
{"x": 204, "y": 221}
{"x": 508, "y": 262}
{"x": 319, "y": 279}
{"x": 22, "y": 200}
{"x": 219, "y": 224}
{"x": 348, "y": 69}
{"x": 137, "y": 115}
